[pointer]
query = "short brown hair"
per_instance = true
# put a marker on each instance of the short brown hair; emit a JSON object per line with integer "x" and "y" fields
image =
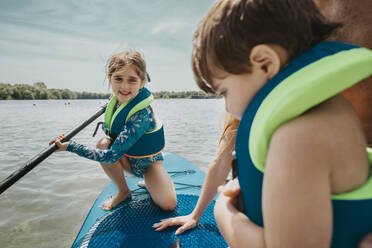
{"x": 226, "y": 35}
{"x": 128, "y": 57}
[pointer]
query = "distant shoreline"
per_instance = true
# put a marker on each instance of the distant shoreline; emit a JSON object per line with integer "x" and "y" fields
{"x": 39, "y": 91}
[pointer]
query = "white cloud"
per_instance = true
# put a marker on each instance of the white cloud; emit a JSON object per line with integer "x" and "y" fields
{"x": 170, "y": 27}
{"x": 66, "y": 43}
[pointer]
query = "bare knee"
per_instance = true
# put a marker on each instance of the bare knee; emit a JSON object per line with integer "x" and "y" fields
{"x": 160, "y": 186}
{"x": 168, "y": 203}
{"x": 103, "y": 143}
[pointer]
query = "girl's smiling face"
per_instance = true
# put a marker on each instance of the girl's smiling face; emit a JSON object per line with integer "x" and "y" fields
{"x": 126, "y": 83}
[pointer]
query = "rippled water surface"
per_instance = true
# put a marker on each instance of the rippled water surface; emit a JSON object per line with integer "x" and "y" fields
{"x": 47, "y": 206}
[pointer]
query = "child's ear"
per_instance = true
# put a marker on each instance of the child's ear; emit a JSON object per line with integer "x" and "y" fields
{"x": 266, "y": 59}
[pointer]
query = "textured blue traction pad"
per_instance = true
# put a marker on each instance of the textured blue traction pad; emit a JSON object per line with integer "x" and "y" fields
{"x": 130, "y": 225}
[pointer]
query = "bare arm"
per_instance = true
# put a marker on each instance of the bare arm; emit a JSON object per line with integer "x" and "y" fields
{"x": 297, "y": 208}
{"x": 297, "y": 203}
{"x": 216, "y": 176}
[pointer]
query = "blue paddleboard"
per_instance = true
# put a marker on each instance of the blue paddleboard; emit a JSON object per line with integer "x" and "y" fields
{"x": 130, "y": 223}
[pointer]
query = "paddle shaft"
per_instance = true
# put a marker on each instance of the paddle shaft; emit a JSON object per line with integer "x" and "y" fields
{"x": 32, "y": 163}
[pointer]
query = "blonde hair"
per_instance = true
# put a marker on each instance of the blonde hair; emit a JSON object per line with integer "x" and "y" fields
{"x": 127, "y": 57}
{"x": 230, "y": 127}
{"x": 227, "y": 139}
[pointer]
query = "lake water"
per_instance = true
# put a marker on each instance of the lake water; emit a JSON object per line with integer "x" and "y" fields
{"x": 47, "y": 207}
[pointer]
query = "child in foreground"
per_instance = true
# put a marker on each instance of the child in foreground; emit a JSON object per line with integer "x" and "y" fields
{"x": 136, "y": 139}
{"x": 303, "y": 168}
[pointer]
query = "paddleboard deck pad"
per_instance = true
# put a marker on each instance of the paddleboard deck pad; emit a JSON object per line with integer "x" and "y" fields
{"x": 130, "y": 223}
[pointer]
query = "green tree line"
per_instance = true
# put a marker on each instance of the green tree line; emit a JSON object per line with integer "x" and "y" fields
{"x": 183, "y": 94}
{"x": 39, "y": 91}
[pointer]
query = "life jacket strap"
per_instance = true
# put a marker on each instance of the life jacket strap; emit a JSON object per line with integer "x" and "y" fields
{"x": 97, "y": 126}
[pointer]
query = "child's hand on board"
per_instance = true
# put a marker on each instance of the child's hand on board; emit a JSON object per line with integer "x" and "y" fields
{"x": 61, "y": 146}
{"x": 186, "y": 222}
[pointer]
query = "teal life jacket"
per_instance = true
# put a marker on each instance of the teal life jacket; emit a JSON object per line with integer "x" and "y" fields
{"x": 311, "y": 78}
{"x": 150, "y": 143}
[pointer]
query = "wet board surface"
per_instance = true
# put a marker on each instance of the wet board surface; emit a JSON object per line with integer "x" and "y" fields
{"x": 130, "y": 223}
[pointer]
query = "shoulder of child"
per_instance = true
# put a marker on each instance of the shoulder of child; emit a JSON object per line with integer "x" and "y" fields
{"x": 311, "y": 157}
{"x": 145, "y": 113}
{"x": 297, "y": 181}
{"x": 327, "y": 137}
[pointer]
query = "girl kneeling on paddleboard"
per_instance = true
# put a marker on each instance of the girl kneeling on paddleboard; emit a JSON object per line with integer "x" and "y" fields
{"x": 135, "y": 138}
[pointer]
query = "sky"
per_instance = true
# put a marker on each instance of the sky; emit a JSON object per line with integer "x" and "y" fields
{"x": 66, "y": 43}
